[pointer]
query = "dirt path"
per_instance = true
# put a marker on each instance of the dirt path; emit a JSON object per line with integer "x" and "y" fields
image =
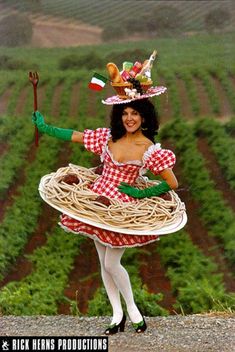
{"x": 4, "y": 99}
{"x": 3, "y": 148}
{"x": 154, "y": 276}
{"x": 53, "y": 32}
{"x": 21, "y": 100}
{"x": 216, "y": 173}
{"x": 55, "y": 105}
{"x": 84, "y": 279}
{"x": 232, "y": 78}
{"x": 186, "y": 110}
{"x": 205, "y": 108}
{"x": 74, "y": 102}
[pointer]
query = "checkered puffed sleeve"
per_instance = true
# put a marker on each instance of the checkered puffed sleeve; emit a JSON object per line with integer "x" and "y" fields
{"x": 157, "y": 159}
{"x": 95, "y": 140}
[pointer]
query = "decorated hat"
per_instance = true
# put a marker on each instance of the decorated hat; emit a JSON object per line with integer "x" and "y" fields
{"x": 131, "y": 83}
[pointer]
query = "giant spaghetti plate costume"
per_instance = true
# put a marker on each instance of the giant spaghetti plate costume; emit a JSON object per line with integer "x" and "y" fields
{"x": 126, "y": 222}
{"x": 94, "y": 206}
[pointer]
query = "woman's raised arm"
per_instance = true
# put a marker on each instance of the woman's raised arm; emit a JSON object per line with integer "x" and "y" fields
{"x": 61, "y": 133}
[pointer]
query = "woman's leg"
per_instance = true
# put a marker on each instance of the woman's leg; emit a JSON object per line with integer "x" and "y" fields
{"x": 110, "y": 286}
{"x": 112, "y": 265}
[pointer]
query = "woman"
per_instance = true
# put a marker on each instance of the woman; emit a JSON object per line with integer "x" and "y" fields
{"x": 127, "y": 149}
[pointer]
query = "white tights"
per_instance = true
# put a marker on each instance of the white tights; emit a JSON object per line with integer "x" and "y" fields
{"x": 116, "y": 280}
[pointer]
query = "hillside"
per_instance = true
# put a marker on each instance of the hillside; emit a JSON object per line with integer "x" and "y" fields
{"x": 76, "y": 23}
{"x": 53, "y": 32}
{"x": 111, "y": 12}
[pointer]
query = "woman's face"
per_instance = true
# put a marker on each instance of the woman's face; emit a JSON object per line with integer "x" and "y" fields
{"x": 131, "y": 120}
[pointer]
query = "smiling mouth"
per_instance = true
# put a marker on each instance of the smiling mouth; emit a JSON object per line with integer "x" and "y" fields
{"x": 133, "y": 127}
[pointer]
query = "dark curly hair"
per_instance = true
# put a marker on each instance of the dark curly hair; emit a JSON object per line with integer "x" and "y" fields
{"x": 147, "y": 111}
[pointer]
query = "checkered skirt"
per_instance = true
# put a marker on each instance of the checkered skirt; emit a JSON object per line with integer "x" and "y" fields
{"x": 155, "y": 160}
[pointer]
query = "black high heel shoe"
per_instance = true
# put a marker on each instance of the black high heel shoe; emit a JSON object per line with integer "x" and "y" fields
{"x": 115, "y": 328}
{"x": 140, "y": 327}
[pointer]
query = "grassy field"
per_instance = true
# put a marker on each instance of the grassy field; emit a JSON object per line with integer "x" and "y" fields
{"x": 196, "y": 51}
{"x": 42, "y": 269}
{"x": 110, "y": 12}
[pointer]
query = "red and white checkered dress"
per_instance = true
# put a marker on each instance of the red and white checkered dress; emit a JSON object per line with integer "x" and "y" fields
{"x": 155, "y": 159}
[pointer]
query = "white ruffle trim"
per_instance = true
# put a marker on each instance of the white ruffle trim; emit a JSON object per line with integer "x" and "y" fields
{"x": 150, "y": 151}
{"x": 153, "y": 148}
{"x": 96, "y": 238}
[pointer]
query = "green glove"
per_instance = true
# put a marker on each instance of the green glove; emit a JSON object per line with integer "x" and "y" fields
{"x": 157, "y": 190}
{"x": 52, "y": 131}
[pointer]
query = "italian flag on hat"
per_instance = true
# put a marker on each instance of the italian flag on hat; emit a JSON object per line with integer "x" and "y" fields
{"x": 97, "y": 82}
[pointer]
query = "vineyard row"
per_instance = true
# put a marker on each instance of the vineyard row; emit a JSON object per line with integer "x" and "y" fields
{"x": 194, "y": 282}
